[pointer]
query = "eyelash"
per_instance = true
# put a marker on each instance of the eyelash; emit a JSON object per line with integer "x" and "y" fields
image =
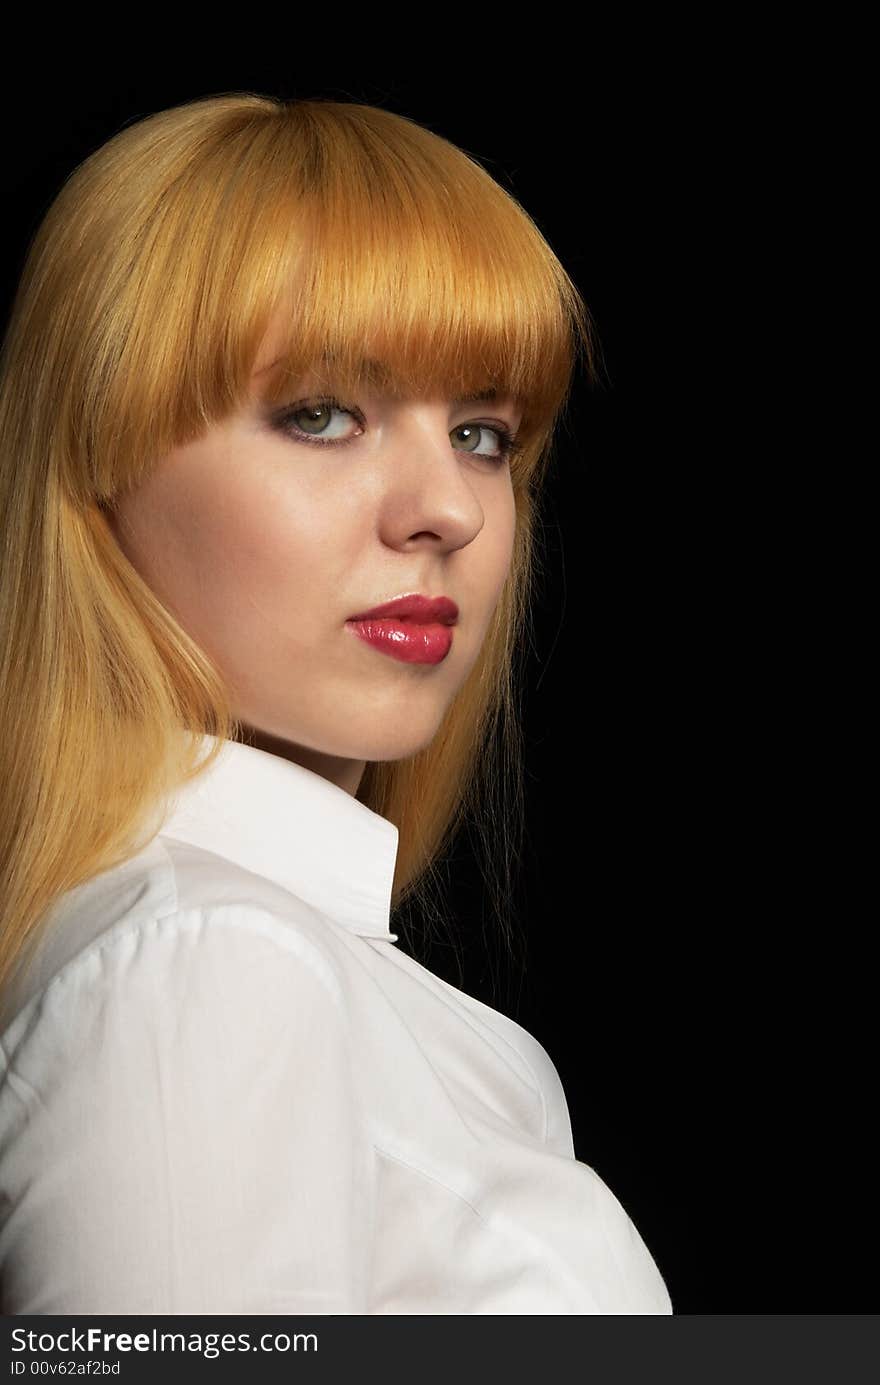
{"x": 507, "y": 439}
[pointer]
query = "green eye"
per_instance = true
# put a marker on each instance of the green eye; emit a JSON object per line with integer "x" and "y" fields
{"x": 312, "y": 417}
{"x": 309, "y": 421}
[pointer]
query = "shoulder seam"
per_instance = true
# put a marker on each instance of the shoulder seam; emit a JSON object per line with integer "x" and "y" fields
{"x": 119, "y": 933}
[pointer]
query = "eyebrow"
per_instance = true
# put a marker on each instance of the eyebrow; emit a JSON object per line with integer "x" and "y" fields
{"x": 374, "y": 366}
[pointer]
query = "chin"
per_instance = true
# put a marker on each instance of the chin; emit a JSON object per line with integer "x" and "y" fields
{"x": 398, "y": 744}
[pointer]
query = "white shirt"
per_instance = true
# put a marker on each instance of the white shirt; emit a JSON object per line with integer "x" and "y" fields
{"x": 226, "y": 1090}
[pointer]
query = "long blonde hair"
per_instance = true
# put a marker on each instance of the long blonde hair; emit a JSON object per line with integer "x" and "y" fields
{"x": 145, "y": 295}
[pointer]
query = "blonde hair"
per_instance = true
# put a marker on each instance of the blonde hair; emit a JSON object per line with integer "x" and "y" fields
{"x": 145, "y": 295}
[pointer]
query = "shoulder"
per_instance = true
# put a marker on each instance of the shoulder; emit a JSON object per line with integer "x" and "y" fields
{"x": 155, "y": 1094}
{"x": 177, "y": 929}
{"x": 221, "y": 1008}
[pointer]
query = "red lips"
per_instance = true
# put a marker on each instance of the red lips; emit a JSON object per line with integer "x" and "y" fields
{"x": 422, "y": 610}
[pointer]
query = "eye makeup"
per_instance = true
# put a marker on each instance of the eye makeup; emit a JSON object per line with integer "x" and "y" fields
{"x": 283, "y": 421}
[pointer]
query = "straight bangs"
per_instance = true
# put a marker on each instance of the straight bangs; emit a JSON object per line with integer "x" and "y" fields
{"x": 369, "y": 252}
{"x": 412, "y": 272}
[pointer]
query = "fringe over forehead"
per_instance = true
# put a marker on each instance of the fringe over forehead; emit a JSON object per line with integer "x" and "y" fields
{"x": 240, "y": 233}
{"x": 407, "y": 268}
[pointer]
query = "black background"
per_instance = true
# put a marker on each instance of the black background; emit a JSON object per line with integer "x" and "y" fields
{"x": 695, "y": 966}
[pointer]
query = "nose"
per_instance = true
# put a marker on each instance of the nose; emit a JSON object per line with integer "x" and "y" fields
{"x": 430, "y": 490}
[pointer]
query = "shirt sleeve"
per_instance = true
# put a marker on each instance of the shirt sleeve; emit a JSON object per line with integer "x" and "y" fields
{"x": 181, "y": 1132}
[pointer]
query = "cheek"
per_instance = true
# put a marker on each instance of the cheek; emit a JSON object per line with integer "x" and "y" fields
{"x": 279, "y": 565}
{"x": 502, "y": 537}
{"x": 491, "y": 559}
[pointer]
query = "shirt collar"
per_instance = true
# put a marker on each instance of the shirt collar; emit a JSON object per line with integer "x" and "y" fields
{"x": 294, "y": 827}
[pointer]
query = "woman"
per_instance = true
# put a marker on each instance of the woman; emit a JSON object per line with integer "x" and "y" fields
{"x": 270, "y": 367}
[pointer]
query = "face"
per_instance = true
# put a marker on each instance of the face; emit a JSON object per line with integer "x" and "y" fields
{"x": 267, "y": 534}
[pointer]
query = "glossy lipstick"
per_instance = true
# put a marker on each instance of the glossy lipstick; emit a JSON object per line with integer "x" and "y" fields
{"x": 415, "y": 629}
